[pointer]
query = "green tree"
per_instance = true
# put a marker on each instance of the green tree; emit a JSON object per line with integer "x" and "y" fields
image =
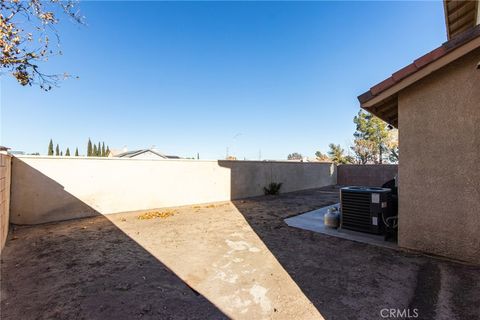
{"x": 99, "y": 150}
{"x": 295, "y": 156}
{"x": 393, "y": 157}
{"x": 107, "y": 152}
{"x": 337, "y": 154}
{"x": 321, "y": 156}
{"x": 67, "y": 153}
{"x": 50, "y": 148}
{"x": 89, "y": 148}
{"x": 76, "y": 152}
{"x": 103, "y": 149}
{"x": 57, "y": 150}
{"x": 95, "y": 152}
{"x": 374, "y": 130}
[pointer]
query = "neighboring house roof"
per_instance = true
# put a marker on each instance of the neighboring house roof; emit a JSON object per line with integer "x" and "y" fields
{"x": 134, "y": 153}
{"x": 115, "y": 152}
{"x": 382, "y": 99}
{"x": 16, "y": 152}
{"x": 460, "y": 15}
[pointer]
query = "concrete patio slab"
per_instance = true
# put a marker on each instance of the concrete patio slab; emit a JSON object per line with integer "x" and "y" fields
{"x": 313, "y": 221}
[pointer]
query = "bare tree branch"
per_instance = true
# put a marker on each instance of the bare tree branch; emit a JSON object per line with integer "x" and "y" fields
{"x": 26, "y": 28}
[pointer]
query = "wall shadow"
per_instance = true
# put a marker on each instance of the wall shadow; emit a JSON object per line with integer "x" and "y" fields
{"x": 47, "y": 203}
{"x": 88, "y": 269}
{"x": 349, "y": 280}
{"x": 248, "y": 178}
{"x": 298, "y": 251}
{"x": 92, "y": 269}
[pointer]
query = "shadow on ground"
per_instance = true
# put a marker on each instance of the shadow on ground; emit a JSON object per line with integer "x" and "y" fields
{"x": 214, "y": 261}
{"x": 196, "y": 262}
{"x": 88, "y": 269}
{"x": 350, "y": 280}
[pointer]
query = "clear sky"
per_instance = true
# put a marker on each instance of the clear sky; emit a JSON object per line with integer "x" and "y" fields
{"x": 279, "y": 77}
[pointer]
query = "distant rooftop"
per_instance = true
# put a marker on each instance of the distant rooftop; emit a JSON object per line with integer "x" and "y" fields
{"x": 135, "y": 153}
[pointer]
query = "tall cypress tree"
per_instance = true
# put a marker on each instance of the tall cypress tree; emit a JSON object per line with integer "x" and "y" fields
{"x": 50, "y": 148}
{"x": 57, "y": 150}
{"x": 94, "y": 150}
{"x": 67, "y": 153}
{"x": 89, "y": 148}
{"x": 103, "y": 149}
{"x": 107, "y": 152}
{"x": 99, "y": 150}
{"x": 76, "y": 152}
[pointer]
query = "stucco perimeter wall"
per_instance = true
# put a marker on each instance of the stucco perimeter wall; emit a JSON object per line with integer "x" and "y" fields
{"x": 439, "y": 170}
{"x": 48, "y": 189}
{"x": 5, "y": 165}
{"x": 250, "y": 177}
{"x": 372, "y": 175}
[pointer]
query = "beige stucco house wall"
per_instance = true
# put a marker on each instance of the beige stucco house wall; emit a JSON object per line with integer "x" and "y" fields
{"x": 439, "y": 168}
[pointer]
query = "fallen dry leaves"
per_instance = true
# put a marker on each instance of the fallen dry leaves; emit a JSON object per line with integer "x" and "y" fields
{"x": 216, "y": 205}
{"x": 156, "y": 214}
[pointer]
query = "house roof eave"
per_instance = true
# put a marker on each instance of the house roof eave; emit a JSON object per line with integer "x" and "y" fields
{"x": 387, "y": 90}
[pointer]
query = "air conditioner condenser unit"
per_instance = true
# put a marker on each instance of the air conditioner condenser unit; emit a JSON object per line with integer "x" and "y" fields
{"x": 365, "y": 209}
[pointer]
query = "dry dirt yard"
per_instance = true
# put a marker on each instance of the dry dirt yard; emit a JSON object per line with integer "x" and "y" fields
{"x": 225, "y": 260}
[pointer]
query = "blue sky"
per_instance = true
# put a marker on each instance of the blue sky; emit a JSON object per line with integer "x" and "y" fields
{"x": 279, "y": 77}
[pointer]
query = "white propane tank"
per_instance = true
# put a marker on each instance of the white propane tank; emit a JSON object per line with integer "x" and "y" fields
{"x": 331, "y": 219}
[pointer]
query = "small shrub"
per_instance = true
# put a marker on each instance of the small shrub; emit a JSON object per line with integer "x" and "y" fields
{"x": 273, "y": 188}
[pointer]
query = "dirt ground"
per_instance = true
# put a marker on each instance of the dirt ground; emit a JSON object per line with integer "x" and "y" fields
{"x": 225, "y": 260}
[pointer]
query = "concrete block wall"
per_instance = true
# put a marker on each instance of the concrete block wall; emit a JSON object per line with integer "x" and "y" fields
{"x": 372, "y": 175}
{"x": 46, "y": 189}
{"x": 5, "y": 170}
